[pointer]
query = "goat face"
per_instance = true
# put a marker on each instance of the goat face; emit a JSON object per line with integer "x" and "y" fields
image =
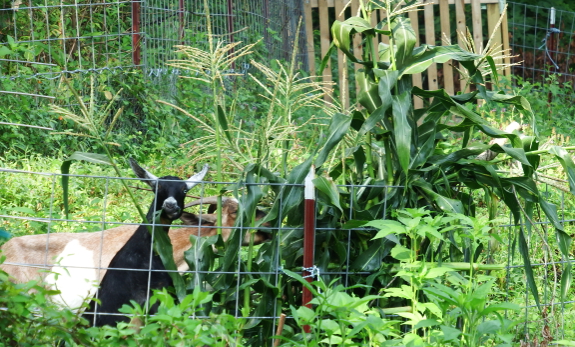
{"x": 170, "y": 191}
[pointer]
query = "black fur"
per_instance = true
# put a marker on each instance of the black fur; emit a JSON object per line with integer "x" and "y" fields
{"x": 118, "y": 287}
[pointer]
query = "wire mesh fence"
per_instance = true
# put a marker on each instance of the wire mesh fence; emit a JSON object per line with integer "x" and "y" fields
{"x": 250, "y": 282}
{"x": 542, "y": 39}
{"x": 167, "y": 24}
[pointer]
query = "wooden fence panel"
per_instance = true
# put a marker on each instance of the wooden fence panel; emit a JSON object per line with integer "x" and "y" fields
{"x": 446, "y": 30}
{"x": 484, "y": 13}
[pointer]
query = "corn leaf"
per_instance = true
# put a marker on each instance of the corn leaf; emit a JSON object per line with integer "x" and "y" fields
{"x": 402, "y": 129}
{"x": 65, "y": 169}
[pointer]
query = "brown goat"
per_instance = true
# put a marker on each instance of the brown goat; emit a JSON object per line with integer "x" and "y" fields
{"x": 46, "y": 256}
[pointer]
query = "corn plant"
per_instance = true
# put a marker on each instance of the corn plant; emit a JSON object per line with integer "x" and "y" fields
{"x": 396, "y": 157}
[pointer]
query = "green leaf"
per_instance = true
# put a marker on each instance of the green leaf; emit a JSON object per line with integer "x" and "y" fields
{"x": 325, "y": 60}
{"x": 425, "y": 144}
{"x": 223, "y": 122}
{"x": 401, "y": 253}
{"x": 449, "y": 333}
{"x": 568, "y": 166}
{"x": 5, "y": 51}
{"x": 404, "y": 38}
{"x": 372, "y": 258}
{"x": 200, "y": 257}
{"x": 464, "y": 112}
{"x": 402, "y": 129}
{"x": 329, "y": 188}
{"x": 338, "y": 127}
{"x": 503, "y": 306}
{"x": 368, "y": 96}
{"x": 163, "y": 246}
{"x": 386, "y": 227}
{"x": 488, "y": 327}
{"x": 65, "y": 169}
{"x": 524, "y": 251}
{"x": 341, "y": 34}
{"x": 425, "y": 55}
{"x": 445, "y": 204}
{"x": 387, "y": 81}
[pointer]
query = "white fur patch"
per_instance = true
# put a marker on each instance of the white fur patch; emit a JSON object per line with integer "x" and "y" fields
{"x": 75, "y": 283}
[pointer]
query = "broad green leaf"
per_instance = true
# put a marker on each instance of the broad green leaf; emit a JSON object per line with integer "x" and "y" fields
{"x": 402, "y": 129}
{"x": 445, "y": 204}
{"x": 163, "y": 246}
{"x": 291, "y": 194}
{"x": 200, "y": 257}
{"x": 425, "y": 55}
{"x": 342, "y": 31}
{"x": 65, "y": 169}
{"x": 464, "y": 112}
{"x": 329, "y": 188}
{"x": 488, "y": 327}
{"x": 372, "y": 258}
{"x": 437, "y": 272}
{"x": 567, "y": 162}
{"x": 566, "y": 280}
{"x": 326, "y": 58}
{"x": 338, "y": 127}
{"x": 404, "y": 38}
{"x": 425, "y": 144}
{"x": 387, "y": 80}
{"x": 450, "y": 334}
{"x": 517, "y": 100}
{"x": 401, "y": 253}
{"x": 223, "y": 122}
{"x": 494, "y": 74}
{"x": 368, "y": 96}
{"x": 386, "y": 227}
{"x": 426, "y": 323}
{"x": 514, "y": 139}
{"x": 5, "y": 51}
{"x": 457, "y": 155}
{"x": 524, "y": 251}
{"x": 500, "y": 307}
{"x": 517, "y": 154}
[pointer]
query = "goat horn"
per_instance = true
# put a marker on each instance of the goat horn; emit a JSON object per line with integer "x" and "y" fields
{"x": 210, "y": 200}
{"x": 197, "y": 178}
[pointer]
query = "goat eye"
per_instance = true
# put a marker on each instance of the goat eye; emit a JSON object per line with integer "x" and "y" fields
{"x": 185, "y": 191}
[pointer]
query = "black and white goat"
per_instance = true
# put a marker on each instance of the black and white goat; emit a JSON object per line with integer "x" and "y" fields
{"x": 125, "y": 280}
{"x": 75, "y": 263}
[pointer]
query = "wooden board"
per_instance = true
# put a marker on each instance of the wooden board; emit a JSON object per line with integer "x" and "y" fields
{"x": 416, "y": 78}
{"x": 446, "y": 30}
{"x": 330, "y": 3}
{"x": 309, "y": 37}
{"x": 325, "y": 40}
{"x": 430, "y": 40}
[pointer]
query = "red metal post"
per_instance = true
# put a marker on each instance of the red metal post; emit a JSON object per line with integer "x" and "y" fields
{"x": 136, "y": 32}
{"x": 551, "y": 46}
{"x": 181, "y": 16}
{"x": 308, "y": 236}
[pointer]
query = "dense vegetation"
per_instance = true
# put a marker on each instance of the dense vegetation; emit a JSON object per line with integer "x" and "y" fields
{"x": 408, "y": 244}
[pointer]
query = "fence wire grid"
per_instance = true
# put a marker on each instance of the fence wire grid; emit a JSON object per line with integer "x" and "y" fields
{"x": 543, "y": 48}
{"x": 42, "y": 214}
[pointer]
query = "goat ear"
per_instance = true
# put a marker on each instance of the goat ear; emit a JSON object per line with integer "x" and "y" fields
{"x": 197, "y": 178}
{"x": 143, "y": 174}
